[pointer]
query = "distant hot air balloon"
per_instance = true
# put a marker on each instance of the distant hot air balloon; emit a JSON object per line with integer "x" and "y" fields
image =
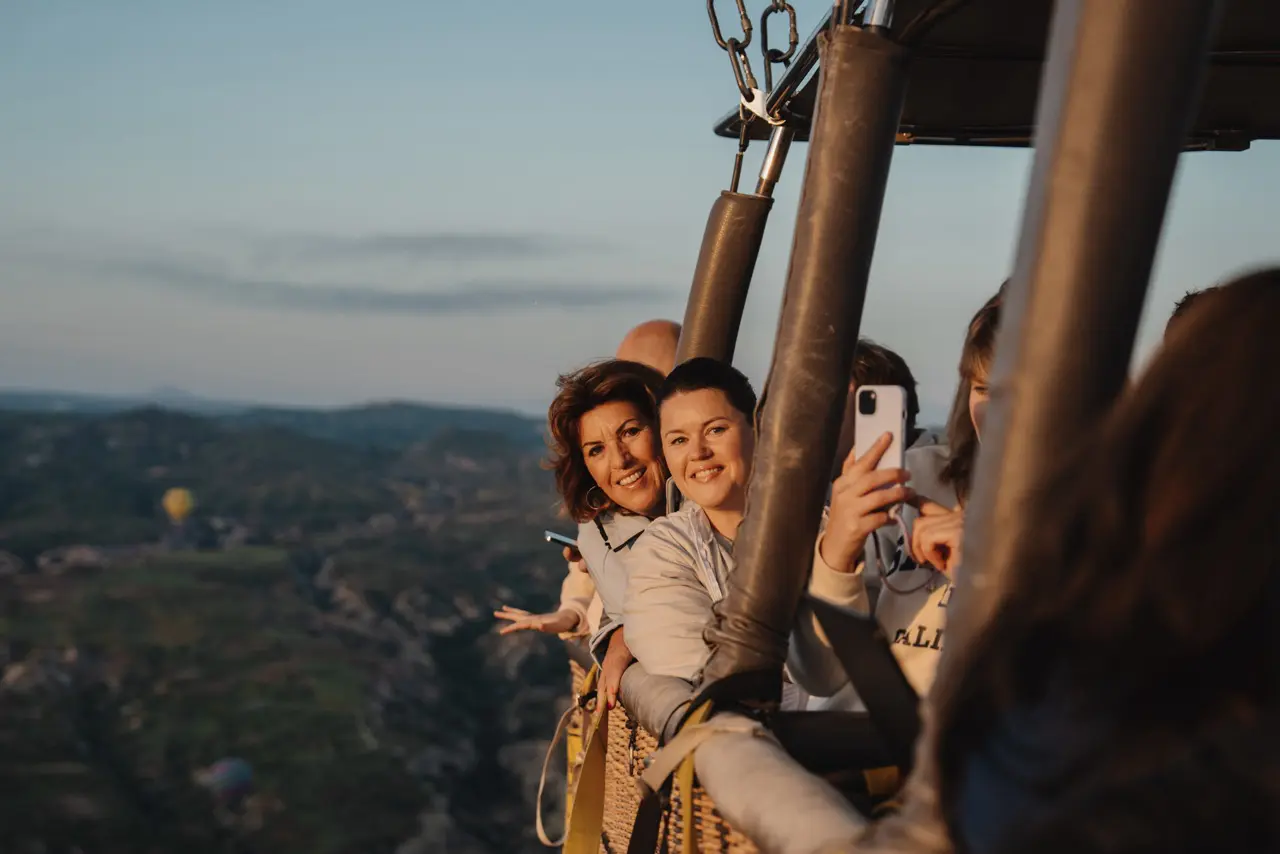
{"x": 178, "y": 503}
{"x": 229, "y": 780}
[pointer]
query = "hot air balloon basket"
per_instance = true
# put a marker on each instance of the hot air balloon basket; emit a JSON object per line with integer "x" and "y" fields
{"x": 629, "y": 746}
{"x": 711, "y": 833}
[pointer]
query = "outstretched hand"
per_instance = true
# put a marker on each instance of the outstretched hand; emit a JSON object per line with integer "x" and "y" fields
{"x": 555, "y": 623}
{"x": 860, "y": 501}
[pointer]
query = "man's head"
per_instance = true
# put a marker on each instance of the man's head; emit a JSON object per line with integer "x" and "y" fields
{"x": 874, "y": 364}
{"x": 1183, "y": 306}
{"x": 652, "y": 343}
{"x": 706, "y": 410}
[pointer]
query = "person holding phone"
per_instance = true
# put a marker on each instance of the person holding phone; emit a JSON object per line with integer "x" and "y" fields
{"x": 611, "y": 478}
{"x": 916, "y": 554}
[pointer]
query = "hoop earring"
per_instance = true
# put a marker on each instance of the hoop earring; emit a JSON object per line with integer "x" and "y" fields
{"x": 603, "y": 504}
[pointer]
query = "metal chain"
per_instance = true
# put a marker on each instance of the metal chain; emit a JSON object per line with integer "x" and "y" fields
{"x": 773, "y": 56}
{"x": 745, "y": 117}
{"x": 736, "y": 48}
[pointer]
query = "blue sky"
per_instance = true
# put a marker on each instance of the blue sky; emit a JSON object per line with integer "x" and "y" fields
{"x": 327, "y": 202}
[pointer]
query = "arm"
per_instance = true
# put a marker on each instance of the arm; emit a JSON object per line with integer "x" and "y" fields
{"x": 811, "y": 661}
{"x": 569, "y": 620}
{"x": 667, "y": 607}
{"x": 860, "y": 499}
{"x": 576, "y": 592}
{"x": 616, "y": 662}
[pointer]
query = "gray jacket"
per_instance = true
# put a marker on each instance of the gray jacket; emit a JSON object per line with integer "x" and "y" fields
{"x": 679, "y": 569}
{"x": 605, "y": 543}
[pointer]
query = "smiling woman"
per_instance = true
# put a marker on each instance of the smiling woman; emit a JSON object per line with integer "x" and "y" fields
{"x": 610, "y": 475}
{"x": 706, "y": 409}
{"x": 681, "y": 565}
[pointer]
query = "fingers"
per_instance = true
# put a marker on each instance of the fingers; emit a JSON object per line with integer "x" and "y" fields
{"x": 854, "y": 486}
{"x": 929, "y": 507}
{"x": 938, "y": 542}
{"x": 879, "y": 499}
{"x": 868, "y": 461}
{"x": 571, "y": 555}
{"x": 523, "y": 625}
{"x": 509, "y": 613}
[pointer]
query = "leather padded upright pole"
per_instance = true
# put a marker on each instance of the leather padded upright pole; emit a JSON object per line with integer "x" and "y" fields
{"x": 1121, "y": 88}
{"x": 730, "y": 245}
{"x": 860, "y": 100}
{"x": 1118, "y": 95}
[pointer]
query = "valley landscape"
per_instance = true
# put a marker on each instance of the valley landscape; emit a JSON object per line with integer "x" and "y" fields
{"x": 324, "y": 614}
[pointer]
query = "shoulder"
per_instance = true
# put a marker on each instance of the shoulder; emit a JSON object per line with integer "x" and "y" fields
{"x": 926, "y": 462}
{"x": 589, "y": 533}
{"x": 678, "y": 524}
{"x": 671, "y": 537}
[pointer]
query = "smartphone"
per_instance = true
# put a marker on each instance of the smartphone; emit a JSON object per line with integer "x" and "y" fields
{"x": 560, "y": 539}
{"x": 881, "y": 409}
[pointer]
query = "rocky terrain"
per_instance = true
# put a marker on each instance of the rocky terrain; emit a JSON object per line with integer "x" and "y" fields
{"x": 325, "y": 615}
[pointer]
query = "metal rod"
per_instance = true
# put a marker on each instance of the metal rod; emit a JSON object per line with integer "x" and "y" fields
{"x": 775, "y": 156}
{"x": 863, "y": 86}
{"x": 878, "y": 15}
{"x": 1120, "y": 89}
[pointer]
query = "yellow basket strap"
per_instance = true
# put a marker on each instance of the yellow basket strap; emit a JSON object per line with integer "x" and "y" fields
{"x": 684, "y": 779}
{"x": 586, "y": 819}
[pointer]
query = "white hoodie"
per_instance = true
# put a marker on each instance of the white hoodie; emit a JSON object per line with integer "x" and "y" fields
{"x": 912, "y": 607}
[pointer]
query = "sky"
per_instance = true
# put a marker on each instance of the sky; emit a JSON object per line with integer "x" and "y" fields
{"x": 320, "y": 202}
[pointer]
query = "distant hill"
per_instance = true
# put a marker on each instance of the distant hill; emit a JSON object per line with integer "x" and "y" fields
{"x": 326, "y": 614}
{"x": 393, "y": 424}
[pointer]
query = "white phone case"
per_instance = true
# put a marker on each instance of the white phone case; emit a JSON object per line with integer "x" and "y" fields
{"x": 890, "y": 417}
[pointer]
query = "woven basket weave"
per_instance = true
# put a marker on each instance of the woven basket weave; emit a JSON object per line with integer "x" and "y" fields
{"x": 628, "y": 747}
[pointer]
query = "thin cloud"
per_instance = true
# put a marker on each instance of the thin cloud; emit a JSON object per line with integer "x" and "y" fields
{"x": 425, "y": 246}
{"x": 472, "y": 297}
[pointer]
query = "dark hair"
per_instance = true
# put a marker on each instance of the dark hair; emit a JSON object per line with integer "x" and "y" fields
{"x": 1184, "y": 305}
{"x": 580, "y": 392}
{"x": 704, "y": 373}
{"x": 975, "y": 361}
{"x": 875, "y": 364}
{"x": 1112, "y": 593}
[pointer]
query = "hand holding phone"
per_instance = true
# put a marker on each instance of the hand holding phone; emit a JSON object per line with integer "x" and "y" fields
{"x": 881, "y": 409}
{"x": 861, "y": 500}
{"x": 560, "y": 539}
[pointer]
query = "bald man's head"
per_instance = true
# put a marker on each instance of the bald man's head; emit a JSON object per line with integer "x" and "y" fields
{"x": 652, "y": 343}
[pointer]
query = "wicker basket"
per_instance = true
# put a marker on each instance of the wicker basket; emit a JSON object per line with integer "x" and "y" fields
{"x": 713, "y": 833}
{"x": 629, "y": 746}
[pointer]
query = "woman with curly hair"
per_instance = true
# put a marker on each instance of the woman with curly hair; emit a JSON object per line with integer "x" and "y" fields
{"x": 610, "y": 475}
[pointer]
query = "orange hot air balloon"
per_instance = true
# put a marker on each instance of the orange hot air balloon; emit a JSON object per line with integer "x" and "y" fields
{"x": 178, "y": 503}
